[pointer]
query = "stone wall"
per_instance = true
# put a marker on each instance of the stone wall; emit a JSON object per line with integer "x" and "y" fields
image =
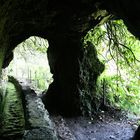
{"x": 37, "y": 122}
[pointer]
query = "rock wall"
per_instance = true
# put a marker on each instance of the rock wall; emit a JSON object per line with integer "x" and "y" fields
{"x": 90, "y": 69}
{"x": 37, "y": 122}
{"x": 126, "y": 10}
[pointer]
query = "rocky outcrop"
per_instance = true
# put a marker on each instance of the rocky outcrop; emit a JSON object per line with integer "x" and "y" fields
{"x": 12, "y": 111}
{"x": 38, "y": 125}
{"x": 90, "y": 69}
{"x": 127, "y": 11}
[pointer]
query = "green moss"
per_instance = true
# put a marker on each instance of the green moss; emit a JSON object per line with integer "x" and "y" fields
{"x": 13, "y": 112}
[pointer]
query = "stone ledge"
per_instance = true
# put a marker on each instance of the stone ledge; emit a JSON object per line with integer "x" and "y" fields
{"x": 38, "y": 124}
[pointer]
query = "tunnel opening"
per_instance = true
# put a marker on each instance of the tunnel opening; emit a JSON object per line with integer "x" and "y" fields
{"x": 118, "y": 50}
{"x": 30, "y": 64}
{"x": 22, "y": 83}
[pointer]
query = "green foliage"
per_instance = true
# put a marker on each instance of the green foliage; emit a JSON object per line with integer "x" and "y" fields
{"x": 30, "y": 63}
{"x": 119, "y": 51}
{"x": 3, "y": 95}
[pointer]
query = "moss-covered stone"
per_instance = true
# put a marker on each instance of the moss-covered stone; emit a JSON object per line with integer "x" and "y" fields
{"x": 90, "y": 69}
{"x": 38, "y": 124}
{"x": 13, "y": 120}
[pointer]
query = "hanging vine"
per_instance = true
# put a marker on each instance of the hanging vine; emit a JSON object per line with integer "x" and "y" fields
{"x": 115, "y": 44}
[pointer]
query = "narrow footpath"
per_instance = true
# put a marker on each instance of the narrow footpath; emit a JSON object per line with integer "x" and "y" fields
{"x": 103, "y": 128}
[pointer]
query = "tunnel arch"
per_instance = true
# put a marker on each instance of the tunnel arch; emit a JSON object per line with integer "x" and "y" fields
{"x": 30, "y": 64}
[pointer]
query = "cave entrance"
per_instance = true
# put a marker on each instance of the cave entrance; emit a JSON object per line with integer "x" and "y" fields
{"x": 119, "y": 84}
{"x": 30, "y": 64}
{"x": 18, "y": 105}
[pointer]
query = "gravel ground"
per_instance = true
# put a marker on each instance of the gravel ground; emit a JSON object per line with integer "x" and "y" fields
{"x": 104, "y": 127}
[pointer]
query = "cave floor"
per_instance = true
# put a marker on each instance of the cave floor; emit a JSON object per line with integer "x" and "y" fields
{"x": 103, "y": 127}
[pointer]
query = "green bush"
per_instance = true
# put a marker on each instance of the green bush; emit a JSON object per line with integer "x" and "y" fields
{"x": 119, "y": 85}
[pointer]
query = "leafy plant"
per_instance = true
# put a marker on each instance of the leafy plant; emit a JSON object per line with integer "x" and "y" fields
{"x": 119, "y": 51}
{"x": 30, "y": 63}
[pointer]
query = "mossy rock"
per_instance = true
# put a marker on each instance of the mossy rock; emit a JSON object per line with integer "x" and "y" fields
{"x": 12, "y": 111}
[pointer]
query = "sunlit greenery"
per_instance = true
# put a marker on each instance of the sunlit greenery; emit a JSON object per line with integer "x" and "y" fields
{"x": 30, "y": 64}
{"x": 119, "y": 50}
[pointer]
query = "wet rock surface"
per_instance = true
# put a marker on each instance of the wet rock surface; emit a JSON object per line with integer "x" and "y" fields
{"x": 38, "y": 124}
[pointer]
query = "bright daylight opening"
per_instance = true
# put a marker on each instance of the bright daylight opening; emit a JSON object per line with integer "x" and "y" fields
{"x": 30, "y": 64}
{"x": 119, "y": 50}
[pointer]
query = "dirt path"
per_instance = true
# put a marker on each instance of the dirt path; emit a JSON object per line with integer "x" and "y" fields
{"x": 100, "y": 130}
{"x": 103, "y": 128}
